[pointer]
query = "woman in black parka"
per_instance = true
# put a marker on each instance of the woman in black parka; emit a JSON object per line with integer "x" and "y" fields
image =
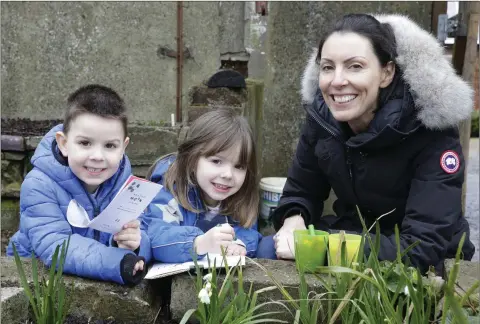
{"x": 382, "y": 109}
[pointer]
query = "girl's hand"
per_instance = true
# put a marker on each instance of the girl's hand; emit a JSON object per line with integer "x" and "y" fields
{"x": 129, "y": 237}
{"x": 236, "y": 249}
{"x": 212, "y": 240}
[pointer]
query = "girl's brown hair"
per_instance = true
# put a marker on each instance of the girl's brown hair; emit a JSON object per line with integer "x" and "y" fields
{"x": 212, "y": 133}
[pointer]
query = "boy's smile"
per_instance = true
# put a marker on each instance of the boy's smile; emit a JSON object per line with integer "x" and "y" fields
{"x": 94, "y": 147}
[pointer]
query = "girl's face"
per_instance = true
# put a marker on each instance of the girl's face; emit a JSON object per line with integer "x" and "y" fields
{"x": 220, "y": 176}
{"x": 351, "y": 76}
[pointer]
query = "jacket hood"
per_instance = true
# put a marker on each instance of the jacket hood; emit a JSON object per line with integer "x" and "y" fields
{"x": 442, "y": 99}
{"x": 158, "y": 174}
{"x": 48, "y": 159}
{"x": 161, "y": 167}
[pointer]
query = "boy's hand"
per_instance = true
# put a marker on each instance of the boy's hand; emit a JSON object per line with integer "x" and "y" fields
{"x": 212, "y": 240}
{"x": 236, "y": 249}
{"x": 132, "y": 269}
{"x": 138, "y": 267}
{"x": 129, "y": 237}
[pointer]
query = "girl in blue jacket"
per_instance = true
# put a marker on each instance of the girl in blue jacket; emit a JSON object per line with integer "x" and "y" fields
{"x": 210, "y": 196}
{"x": 83, "y": 160}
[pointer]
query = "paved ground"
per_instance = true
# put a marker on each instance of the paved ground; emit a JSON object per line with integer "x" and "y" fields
{"x": 473, "y": 195}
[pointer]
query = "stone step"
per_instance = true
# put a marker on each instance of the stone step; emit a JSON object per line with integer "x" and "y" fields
{"x": 14, "y": 305}
{"x": 92, "y": 300}
{"x": 95, "y": 300}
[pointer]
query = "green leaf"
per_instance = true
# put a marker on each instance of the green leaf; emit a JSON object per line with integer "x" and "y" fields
{"x": 187, "y": 315}
{"x": 24, "y": 282}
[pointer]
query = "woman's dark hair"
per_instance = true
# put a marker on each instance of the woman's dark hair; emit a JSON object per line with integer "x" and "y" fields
{"x": 380, "y": 35}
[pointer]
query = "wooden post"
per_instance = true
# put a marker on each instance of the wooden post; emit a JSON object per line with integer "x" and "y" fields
{"x": 438, "y": 8}
{"x": 469, "y": 13}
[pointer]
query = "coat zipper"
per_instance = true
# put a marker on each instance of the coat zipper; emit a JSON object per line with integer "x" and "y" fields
{"x": 96, "y": 211}
{"x": 349, "y": 159}
{"x": 96, "y": 208}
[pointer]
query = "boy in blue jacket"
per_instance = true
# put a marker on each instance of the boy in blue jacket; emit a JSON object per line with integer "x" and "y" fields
{"x": 82, "y": 159}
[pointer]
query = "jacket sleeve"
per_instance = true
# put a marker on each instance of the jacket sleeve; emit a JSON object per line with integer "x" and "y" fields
{"x": 250, "y": 237}
{"x": 46, "y": 227}
{"x": 307, "y": 187}
{"x": 145, "y": 246}
{"x": 433, "y": 206}
{"x": 171, "y": 239}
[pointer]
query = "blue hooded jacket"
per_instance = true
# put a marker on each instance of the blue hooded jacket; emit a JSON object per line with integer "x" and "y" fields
{"x": 172, "y": 228}
{"x": 44, "y": 197}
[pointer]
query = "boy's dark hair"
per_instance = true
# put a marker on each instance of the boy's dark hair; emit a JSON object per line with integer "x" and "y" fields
{"x": 98, "y": 100}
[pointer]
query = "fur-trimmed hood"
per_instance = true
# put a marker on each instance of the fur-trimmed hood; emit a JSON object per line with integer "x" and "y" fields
{"x": 442, "y": 99}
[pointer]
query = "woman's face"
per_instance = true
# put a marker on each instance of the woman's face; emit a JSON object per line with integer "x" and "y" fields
{"x": 351, "y": 76}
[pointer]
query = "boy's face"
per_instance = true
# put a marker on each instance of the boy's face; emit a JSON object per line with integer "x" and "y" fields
{"x": 94, "y": 147}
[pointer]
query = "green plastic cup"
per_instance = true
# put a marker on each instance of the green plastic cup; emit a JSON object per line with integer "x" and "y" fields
{"x": 310, "y": 250}
{"x": 352, "y": 244}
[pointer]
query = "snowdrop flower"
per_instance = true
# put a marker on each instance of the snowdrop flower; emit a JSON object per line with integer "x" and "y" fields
{"x": 208, "y": 287}
{"x": 208, "y": 277}
{"x": 406, "y": 291}
{"x": 204, "y": 296}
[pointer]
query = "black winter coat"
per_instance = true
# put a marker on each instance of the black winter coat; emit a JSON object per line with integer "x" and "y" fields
{"x": 409, "y": 162}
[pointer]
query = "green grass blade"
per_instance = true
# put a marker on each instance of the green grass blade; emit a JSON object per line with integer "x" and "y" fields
{"x": 187, "y": 316}
{"x": 24, "y": 282}
{"x": 36, "y": 284}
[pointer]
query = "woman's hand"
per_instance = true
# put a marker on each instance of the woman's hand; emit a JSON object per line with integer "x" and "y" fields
{"x": 284, "y": 244}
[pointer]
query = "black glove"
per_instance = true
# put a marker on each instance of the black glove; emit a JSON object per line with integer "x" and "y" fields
{"x": 126, "y": 269}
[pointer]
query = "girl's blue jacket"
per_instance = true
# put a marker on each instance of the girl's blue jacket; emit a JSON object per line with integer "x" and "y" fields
{"x": 172, "y": 228}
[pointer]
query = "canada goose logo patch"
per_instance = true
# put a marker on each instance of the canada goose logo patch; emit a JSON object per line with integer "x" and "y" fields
{"x": 450, "y": 162}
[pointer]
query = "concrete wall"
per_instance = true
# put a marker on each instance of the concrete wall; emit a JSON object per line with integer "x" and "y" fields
{"x": 255, "y": 40}
{"x": 243, "y": 34}
{"x": 232, "y": 16}
{"x": 51, "y": 48}
{"x": 293, "y": 29}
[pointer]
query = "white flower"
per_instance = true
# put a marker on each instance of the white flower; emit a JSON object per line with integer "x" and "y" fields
{"x": 208, "y": 286}
{"x": 406, "y": 291}
{"x": 208, "y": 277}
{"x": 203, "y": 296}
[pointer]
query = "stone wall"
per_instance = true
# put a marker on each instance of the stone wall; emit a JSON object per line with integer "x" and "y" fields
{"x": 163, "y": 298}
{"x": 49, "y": 49}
